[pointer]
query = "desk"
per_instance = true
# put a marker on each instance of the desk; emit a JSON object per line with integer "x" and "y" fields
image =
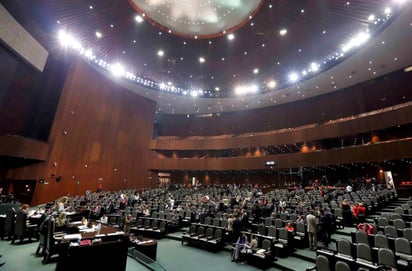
{"x": 106, "y": 251}
{"x": 147, "y": 247}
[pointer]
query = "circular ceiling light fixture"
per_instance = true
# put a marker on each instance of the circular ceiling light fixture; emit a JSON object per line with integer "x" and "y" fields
{"x": 198, "y": 18}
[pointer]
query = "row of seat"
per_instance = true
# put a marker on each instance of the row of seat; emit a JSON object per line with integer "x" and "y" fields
{"x": 362, "y": 255}
{"x": 18, "y": 226}
{"x": 150, "y": 227}
{"x": 205, "y": 236}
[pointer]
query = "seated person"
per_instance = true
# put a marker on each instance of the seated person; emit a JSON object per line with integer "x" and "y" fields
{"x": 289, "y": 227}
{"x": 368, "y": 228}
{"x": 240, "y": 246}
{"x": 251, "y": 247}
{"x": 104, "y": 219}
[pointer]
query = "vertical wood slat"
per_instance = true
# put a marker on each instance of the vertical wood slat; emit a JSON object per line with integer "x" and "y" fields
{"x": 100, "y": 130}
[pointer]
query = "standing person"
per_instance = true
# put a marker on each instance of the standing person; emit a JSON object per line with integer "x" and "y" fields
{"x": 325, "y": 226}
{"x": 230, "y": 226}
{"x": 127, "y": 222}
{"x": 312, "y": 228}
{"x": 237, "y": 228}
{"x": 240, "y": 246}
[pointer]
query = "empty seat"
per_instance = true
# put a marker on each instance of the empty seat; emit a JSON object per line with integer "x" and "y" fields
{"x": 342, "y": 266}
{"x": 403, "y": 249}
{"x": 386, "y": 257}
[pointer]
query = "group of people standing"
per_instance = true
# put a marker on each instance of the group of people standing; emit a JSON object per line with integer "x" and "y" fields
{"x": 320, "y": 225}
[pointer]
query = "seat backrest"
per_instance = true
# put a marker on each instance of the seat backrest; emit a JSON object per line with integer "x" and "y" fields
{"x": 386, "y": 257}
{"x": 268, "y": 221}
{"x": 218, "y": 234}
{"x": 338, "y": 212}
{"x": 278, "y": 223}
{"x": 20, "y": 226}
{"x": 344, "y": 247}
{"x": 322, "y": 263}
{"x": 208, "y": 220}
{"x": 216, "y": 222}
{"x": 391, "y": 231}
{"x": 399, "y": 210}
{"x": 399, "y": 224}
{"x": 154, "y": 223}
{"x": 363, "y": 251}
{"x": 50, "y": 232}
{"x": 272, "y": 231}
{"x": 283, "y": 234}
{"x": 262, "y": 229}
{"x": 192, "y": 229}
{"x": 162, "y": 225}
{"x": 402, "y": 245}
{"x": 342, "y": 266}
{"x": 209, "y": 232}
{"x": 407, "y": 233}
{"x": 381, "y": 241}
{"x": 300, "y": 227}
{"x": 362, "y": 237}
{"x": 201, "y": 230}
{"x": 383, "y": 221}
{"x": 266, "y": 244}
{"x": 10, "y": 221}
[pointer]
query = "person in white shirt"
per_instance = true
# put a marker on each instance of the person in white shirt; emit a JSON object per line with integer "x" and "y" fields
{"x": 104, "y": 219}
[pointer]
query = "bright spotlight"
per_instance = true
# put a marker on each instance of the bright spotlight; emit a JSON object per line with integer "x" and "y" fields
{"x": 138, "y": 18}
{"x": 271, "y": 84}
{"x": 117, "y": 69}
{"x": 65, "y": 38}
{"x": 314, "y": 67}
{"x": 283, "y": 32}
{"x": 230, "y": 36}
{"x": 293, "y": 77}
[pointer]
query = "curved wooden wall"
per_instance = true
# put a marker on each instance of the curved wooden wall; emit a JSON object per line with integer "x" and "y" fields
{"x": 25, "y": 148}
{"x": 357, "y": 154}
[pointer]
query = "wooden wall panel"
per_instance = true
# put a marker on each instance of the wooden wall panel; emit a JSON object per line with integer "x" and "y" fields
{"x": 101, "y": 134}
{"x": 20, "y": 147}
{"x": 385, "y": 119}
{"x": 367, "y": 153}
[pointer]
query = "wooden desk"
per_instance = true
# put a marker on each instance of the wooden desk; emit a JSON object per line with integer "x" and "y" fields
{"x": 107, "y": 251}
{"x": 146, "y": 246}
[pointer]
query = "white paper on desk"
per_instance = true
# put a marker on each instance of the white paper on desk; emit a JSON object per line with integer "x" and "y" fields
{"x": 74, "y": 236}
{"x": 116, "y": 233}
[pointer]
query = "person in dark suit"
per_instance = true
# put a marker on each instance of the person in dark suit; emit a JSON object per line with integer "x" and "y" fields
{"x": 237, "y": 228}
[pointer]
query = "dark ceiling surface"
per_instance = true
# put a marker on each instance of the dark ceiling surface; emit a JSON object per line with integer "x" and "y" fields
{"x": 258, "y": 54}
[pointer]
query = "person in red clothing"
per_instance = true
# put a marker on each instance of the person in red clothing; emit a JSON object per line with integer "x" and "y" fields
{"x": 355, "y": 211}
{"x": 289, "y": 227}
{"x": 368, "y": 228}
{"x": 361, "y": 213}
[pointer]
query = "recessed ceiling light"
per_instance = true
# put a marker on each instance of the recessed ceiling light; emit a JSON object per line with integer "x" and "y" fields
{"x": 283, "y": 31}
{"x": 160, "y": 53}
{"x": 138, "y": 18}
{"x": 98, "y": 34}
{"x": 202, "y": 59}
{"x": 255, "y": 70}
{"x": 271, "y": 84}
{"x": 230, "y": 36}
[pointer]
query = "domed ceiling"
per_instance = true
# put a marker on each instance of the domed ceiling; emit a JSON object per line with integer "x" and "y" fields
{"x": 197, "y": 57}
